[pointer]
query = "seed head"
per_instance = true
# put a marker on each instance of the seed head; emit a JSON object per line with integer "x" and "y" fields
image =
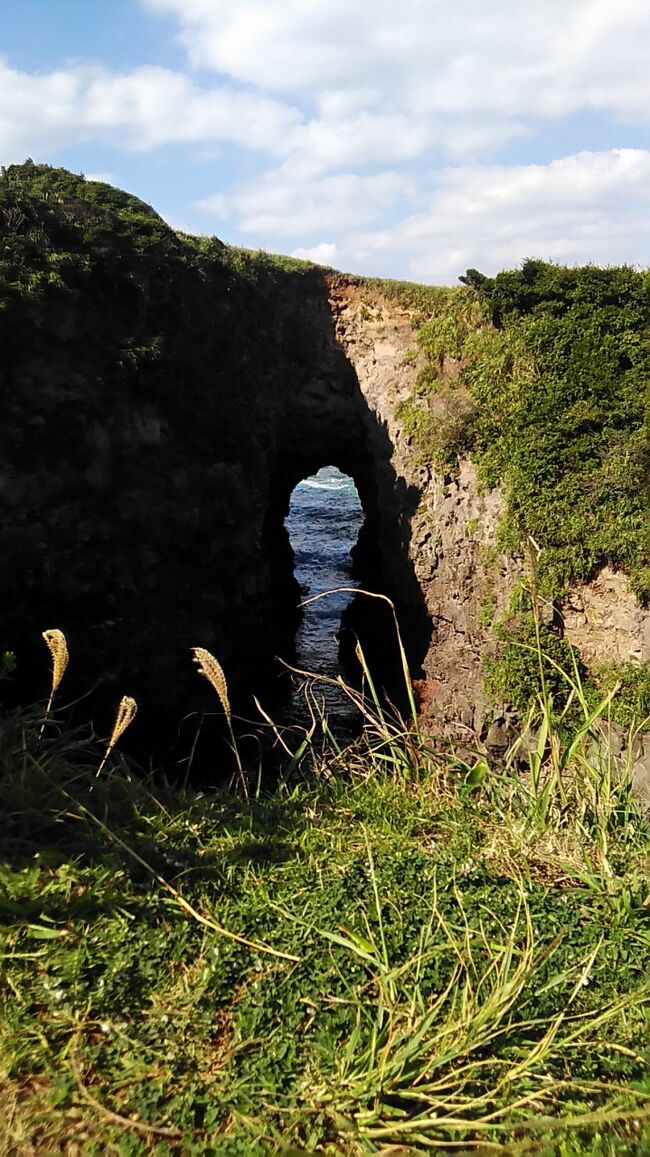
{"x": 213, "y": 671}
{"x": 125, "y": 715}
{"x": 55, "y": 640}
{"x": 58, "y": 649}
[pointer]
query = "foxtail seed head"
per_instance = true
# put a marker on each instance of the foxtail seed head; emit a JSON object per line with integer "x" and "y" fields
{"x": 213, "y": 671}
{"x": 58, "y": 647}
{"x": 125, "y": 715}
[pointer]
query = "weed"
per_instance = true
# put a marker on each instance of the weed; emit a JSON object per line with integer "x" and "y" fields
{"x": 213, "y": 672}
{"x": 58, "y": 648}
{"x": 125, "y": 715}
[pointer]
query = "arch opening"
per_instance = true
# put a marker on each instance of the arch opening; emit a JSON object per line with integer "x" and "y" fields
{"x": 323, "y": 523}
{"x": 331, "y": 424}
{"x": 368, "y": 552}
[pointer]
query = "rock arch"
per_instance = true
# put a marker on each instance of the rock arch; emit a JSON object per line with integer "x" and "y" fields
{"x": 150, "y": 457}
{"x": 332, "y": 424}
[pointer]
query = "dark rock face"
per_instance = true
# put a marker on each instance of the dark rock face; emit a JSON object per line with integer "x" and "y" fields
{"x": 157, "y": 413}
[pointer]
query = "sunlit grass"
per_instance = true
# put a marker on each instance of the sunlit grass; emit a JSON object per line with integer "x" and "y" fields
{"x": 399, "y": 948}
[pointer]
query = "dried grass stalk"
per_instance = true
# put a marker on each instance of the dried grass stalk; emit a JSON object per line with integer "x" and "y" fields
{"x": 213, "y": 671}
{"x": 58, "y": 648}
{"x": 125, "y": 715}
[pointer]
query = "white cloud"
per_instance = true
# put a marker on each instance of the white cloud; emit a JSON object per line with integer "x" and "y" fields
{"x": 140, "y": 110}
{"x": 508, "y": 58}
{"x": 322, "y": 254}
{"x": 358, "y": 139}
{"x": 582, "y": 208}
{"x": 405, "y": 87}
{"x": 382, "y": 129}
{"x": 387, "y": 85}
{"x": 285, "y": 203}
{"x": 284, "y": 45}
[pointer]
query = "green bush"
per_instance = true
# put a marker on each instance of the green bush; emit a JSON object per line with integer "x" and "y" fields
{"x": 513, "y": 676}
{"x": 556, "y": 363}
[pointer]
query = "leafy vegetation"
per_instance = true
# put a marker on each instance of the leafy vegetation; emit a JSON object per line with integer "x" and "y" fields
{"x": 633, "y": 694}
{"x": 56, "y": 226}
{"x": 513, "y": 676}
{"x": 545, "y": 372}
{"x": 541, "y": 375}
{"x": 400, "y": 948}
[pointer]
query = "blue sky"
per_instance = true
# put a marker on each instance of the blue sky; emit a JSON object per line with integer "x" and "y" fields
{"x": 407, "y": 138}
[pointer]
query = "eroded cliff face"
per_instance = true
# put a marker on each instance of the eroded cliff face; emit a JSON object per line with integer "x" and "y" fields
{"x": 452, "y": 524}
{"x": 605, "y": 623}
{"x": 452, "y": 542}
{"x": 159, "y": 408}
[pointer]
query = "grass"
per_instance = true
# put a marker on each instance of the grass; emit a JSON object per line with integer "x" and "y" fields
{"x": 397, "y": 949}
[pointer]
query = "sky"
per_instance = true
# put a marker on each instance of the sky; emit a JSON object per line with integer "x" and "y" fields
{"x": 393, "y": 138}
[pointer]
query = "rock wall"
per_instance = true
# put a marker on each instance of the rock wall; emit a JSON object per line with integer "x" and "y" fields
{"x": 157, "y": 411}
{"x": 604, "y": 622}
{"x": 452, "y": 525}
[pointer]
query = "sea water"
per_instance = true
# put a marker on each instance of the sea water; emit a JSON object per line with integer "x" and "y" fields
{"x": 324, "y": 520}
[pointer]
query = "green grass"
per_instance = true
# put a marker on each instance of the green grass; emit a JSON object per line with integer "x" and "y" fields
{"x": 398, "y": 949}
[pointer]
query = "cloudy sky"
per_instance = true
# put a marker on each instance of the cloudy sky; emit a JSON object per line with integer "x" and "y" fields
{"x": 401, "y": 138}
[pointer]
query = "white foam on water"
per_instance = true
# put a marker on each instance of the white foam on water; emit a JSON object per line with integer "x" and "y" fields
{"x": 328, "y": 478}
{"x": 315, "y": 484}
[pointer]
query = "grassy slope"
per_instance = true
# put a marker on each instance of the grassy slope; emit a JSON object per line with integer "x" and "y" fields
{"x": 400, "y": 951}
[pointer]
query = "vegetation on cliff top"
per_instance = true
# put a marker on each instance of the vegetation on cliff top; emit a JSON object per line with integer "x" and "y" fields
{"x": 543, "y": 376}
{"x": 57, "y": 226}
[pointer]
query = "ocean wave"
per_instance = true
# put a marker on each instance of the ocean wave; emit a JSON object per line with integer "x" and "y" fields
{"x": 328, "y": 484}
{"x": 329, "y": 478}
